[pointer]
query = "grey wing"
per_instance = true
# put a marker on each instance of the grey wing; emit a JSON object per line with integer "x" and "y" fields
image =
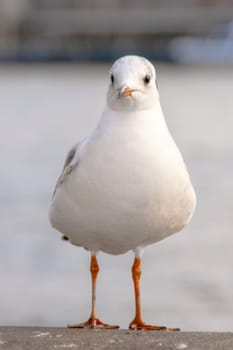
{"x": 67, "y": 168}
{"x": 70, "y": 156}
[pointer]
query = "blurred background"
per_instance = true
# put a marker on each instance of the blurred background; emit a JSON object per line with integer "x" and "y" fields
{"x": 49, "y": 105}
{"x": 180, "y": 30}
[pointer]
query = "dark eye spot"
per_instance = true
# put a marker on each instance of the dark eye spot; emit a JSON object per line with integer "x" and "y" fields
{"x": 147, "y": 79}
{"x": 112, "y": 78}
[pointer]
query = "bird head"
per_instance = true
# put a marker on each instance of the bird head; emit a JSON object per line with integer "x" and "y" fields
{"x": 132, "y": 84}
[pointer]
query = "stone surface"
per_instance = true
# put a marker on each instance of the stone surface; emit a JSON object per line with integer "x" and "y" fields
{"x": 29, "y": 338}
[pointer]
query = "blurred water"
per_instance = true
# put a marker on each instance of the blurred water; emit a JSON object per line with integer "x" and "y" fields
{"x": 187, "y": 279}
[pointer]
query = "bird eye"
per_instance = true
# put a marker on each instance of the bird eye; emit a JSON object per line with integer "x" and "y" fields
{"x": 112, "y": 78}
{"x": 147, "y": 79}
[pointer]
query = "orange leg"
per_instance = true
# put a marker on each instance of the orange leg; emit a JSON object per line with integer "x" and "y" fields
{"x": 93, "y": 321}
{"x": 138, "y": 322}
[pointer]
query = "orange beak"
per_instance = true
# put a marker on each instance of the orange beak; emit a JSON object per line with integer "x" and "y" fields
{"x": 126, "y": 91}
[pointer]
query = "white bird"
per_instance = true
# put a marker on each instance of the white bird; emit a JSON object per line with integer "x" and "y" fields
{"x": 126, "y": 185}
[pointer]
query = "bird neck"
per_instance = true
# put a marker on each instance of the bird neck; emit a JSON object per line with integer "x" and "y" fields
{"x": 152, "y": 118}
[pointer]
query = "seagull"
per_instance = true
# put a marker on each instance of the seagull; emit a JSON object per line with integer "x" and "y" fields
{"x": 126, "y": 185}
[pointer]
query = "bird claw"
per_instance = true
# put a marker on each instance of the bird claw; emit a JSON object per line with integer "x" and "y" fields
{"x": 140, "y": 325}
{"x": 93, "y": 323}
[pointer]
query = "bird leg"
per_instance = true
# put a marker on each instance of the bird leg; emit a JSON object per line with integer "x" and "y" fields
{"x": 138, "y": 322}
{"x": 93, "y": 321}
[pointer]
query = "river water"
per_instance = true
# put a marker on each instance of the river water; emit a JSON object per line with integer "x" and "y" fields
{"x": 187, "y": 279}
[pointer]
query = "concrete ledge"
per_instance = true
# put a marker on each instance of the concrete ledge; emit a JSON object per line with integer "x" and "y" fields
{"x": 30, "y": 338}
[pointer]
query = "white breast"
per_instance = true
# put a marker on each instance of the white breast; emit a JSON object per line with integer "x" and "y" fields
{"x": 130, "y": 189}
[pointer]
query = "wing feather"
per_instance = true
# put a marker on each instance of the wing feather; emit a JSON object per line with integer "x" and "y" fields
{"x": 67, "y": 168}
